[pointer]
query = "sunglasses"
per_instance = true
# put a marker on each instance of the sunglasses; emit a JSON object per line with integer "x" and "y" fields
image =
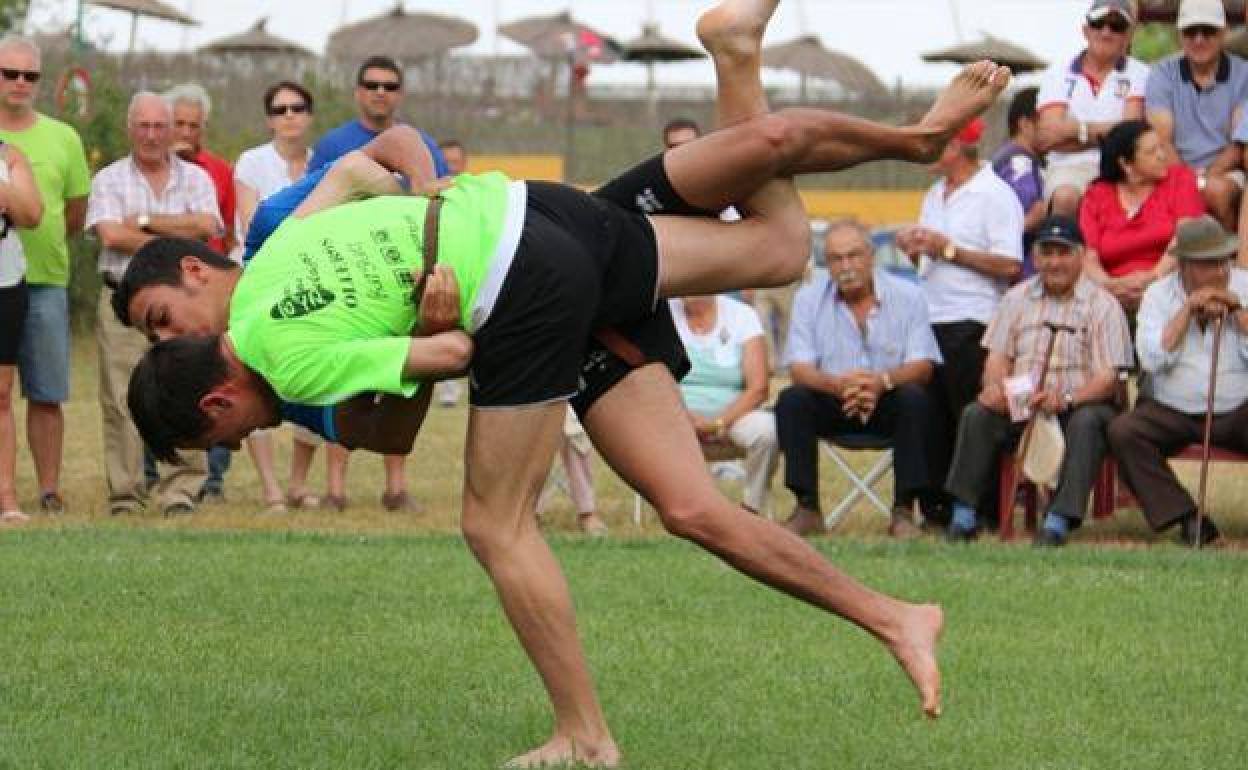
{"x": 1201, "y": 30}
{"x": 1115, "y": 24}
{"x": 30, "y": 76}
{"x": 380, "y": 85}
{"x": 282, "y": 109}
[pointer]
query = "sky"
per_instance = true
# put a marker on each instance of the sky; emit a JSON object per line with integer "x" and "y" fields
{"x": 887, "y": 35}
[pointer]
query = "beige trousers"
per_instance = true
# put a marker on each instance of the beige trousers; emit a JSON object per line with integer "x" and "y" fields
{"x": 120, "y": 349}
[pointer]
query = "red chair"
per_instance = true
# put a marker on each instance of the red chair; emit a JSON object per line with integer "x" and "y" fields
{"x": 1103, "y": 495}
{"x": 1121, "y": 496}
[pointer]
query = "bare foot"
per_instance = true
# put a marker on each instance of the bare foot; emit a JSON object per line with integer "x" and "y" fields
{"x": 734, "y": 28}
{"x": 915, "y": 651}
{"x": 591, "y": 525}
{"x": 561, "y": 751}
{"x": 974, "y": 90}
{"x": 13, "y": 518}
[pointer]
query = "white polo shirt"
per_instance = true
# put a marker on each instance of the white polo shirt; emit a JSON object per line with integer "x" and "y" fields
{"x": 1067, "y": 85}
{"x": 982, "y": 215}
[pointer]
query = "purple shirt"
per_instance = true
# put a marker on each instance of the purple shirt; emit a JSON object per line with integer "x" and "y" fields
{"x": 1021, "y": 171}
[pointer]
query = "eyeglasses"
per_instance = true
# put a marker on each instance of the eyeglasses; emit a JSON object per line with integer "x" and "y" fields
{"x": 1115, "y": 23}
{"x": 30, "y": 76}
{"x": 282, "y": 109}
{"x": 1201, "y": 30}
{"x": 389, "y": 86}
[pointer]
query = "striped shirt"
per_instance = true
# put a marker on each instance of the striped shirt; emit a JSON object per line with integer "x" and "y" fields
{"x": 1101, "y": 342}
{"x": 825, "y": 333}
{"x": 120, "y": 190}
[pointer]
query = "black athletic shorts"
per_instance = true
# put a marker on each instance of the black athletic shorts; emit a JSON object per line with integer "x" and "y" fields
{"x": 13, "y": 303}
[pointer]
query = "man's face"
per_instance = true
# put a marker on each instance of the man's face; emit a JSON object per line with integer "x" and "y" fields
{"x": 1108, "y": 37}
{"x": 188, "y": 129}
{"x": 236, "y": 408}
{"x": 378, "y": 93}
{"x": 948, "y": 159}
{"x": 1059, "y": 265}
{"x": 17, "y": 94}
{"x": 679, "y": 136}
{"x": 1202, "y": 44}
{"x": 151, "y": 135}
{"x": 1205, "y": 273}
{"x": 456, "y": 159}
{"x": 192, "y": 308}
{"x": 850, "y": 259}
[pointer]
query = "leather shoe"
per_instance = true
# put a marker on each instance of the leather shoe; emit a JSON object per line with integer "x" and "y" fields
{"x": 1047, "y": 538}
{"x": 1187, "y": 531}
{"x": 805, "y": 522}
{"x": 959, "y": 535}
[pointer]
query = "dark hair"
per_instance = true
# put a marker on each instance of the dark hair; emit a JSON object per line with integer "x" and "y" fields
{"x": 1023, "y": 105}
{"x": 1119, "y": 145}
{"x": 449, "y": 144}
{"x": 288, "y": 85}
{"x": 159, "y": 263}
{"x": 681, "y": 124}
{"x": 166, "y": 388}
{"x": 378, "y": 63}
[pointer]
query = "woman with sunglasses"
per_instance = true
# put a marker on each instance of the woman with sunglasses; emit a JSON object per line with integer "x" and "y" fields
{"x": 20, "y": 206}
{"x": 260, "y": 172}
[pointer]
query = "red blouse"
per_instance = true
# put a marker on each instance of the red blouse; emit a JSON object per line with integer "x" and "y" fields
{"x": 1128, "y": 245}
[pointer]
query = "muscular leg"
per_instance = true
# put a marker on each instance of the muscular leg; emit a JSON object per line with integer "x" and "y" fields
{"x": 638, "y": 429}
{"x": 260, "y": 447}
{"x": 508, "y": 454}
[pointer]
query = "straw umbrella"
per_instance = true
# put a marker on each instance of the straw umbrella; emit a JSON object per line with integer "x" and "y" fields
{"x": 256, "y": 40}
{"x": 404, "y": 36}
{"x": 807, "y": 56}
{"x": 1014, "y": 56}
{"x": 652, "y": 48}
{"x": 153, "y": 8}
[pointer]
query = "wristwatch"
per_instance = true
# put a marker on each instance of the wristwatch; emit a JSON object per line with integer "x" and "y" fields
{"x": 888, "y": 381}
{"x": 143, "y": 221}
{"x": 1083, "y": 132}
{"x": 950, "y": 252}
{"x": 1070, "y": 400}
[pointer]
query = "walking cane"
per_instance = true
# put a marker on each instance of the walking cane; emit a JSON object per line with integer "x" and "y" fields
{"x": 1205, "y": 442}
{"x": 1025, "y": 440}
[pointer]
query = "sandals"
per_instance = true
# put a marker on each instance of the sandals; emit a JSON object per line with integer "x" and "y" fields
{"x": 305, "y": 500}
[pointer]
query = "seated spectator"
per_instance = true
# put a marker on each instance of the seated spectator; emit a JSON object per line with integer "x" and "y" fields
{"x": 576, "y": 453}
{"x": 860, "y": 352}
{"x": 1081, "y": 100}
{"x": 1195, "y": 99}
{"x": 23, "y": 207}
{"x": 1175, "y": 342}
{"x": 728, "y": 385}
{"x": 1129, "y": 215}
{"x": 1018, "y": 164}
{"x": 1078, "y": 387}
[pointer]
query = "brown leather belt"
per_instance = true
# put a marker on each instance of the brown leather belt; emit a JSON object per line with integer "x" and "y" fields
{"x": 429, "y": 254}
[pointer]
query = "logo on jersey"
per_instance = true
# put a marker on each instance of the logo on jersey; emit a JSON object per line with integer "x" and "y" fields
{"x": 300, "y": 303}
{"x": 648, "y": 202}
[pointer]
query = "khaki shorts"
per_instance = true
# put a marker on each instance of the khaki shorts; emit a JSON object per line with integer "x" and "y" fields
{"x": 1077, "y": 175}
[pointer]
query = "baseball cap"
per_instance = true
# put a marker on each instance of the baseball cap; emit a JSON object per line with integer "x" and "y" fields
{"x": 1059, "y": 228}
{"x": 1202, "y": 13}
{"x": 972, "y": 132}
{"x": 1102, "y": 8}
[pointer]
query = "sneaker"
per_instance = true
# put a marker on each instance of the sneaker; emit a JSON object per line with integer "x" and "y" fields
{"x": 1187, "y": 531}
{"x": 212, "y": 496}
{"x": 123, "y": 506}
{"x": 401, "y": 502}
{"x": 1047, "y": 538}
{"x": 179, "y": 508}
{"x": 51, "y": 503}
{"x": 959, "y": 535}
{"x": 805, "y": 522}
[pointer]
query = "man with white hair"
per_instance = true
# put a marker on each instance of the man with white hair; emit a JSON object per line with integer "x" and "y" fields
{"x": 60, "y": 169}
{"x": 149, "y": 193}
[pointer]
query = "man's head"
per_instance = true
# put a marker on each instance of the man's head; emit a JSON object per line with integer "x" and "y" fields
{"x": 850, "y": 256}
{"x": 679, "y": 131}
{"x": 190, "y": 105}
{"x": 378, "y": 91}
{"x": 1057, "y": 252}
{"x": 1202, "y": 30}
{"x": 149, "y": 127}
{"x": 174, "y": 287}
{"x": 455, "y": 154}
{"x": 1205, "y": 251}
{"x": 1107, "y": 29}
{"x": 20, "y": 71}
{"x": 961, "y": 154}
{"x": 1021, "y": 119}
{"x": 189, "y": 393}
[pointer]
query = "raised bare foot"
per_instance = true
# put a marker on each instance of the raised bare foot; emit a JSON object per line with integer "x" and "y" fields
{"x": 915, "y": 650}
{"x": 561, "y": 751}
{"x": 735, "y": 27}
{"x": 974, "y": 90}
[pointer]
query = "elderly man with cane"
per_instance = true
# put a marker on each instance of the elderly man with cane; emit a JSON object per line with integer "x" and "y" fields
{"x": 1189, "y": 323}
{"x": 1055, "y": 346}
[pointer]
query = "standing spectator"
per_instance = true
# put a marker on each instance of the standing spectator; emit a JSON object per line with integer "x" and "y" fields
{"x": 968, "y": 247}
{"x": 728, "y": 383}
{"x": 22, "y": 207}
{"x": 191, "y": 108}
{"x": 149, "y": 193}
{"x": 1195, "y": 102}
{"x": 455, "y": 155}
{"x": 448, "y": 391}
{"x": 260, "y": 172}
{"x": 1129, "y": 215}
{"x": 1078, "y": 388}
{"x": 1174, "y": 340}
{"x": 678, "y": 131}
{"x": 378, "y": 94}
{"x": 1018, "y": 164}
{"x": 860, "y": 352}
{"x": 63, "y": 180}
{"x": 1080, "y": 101}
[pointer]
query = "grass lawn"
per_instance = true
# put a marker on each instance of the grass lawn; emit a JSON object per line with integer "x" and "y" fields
{"x": 137, "y": 648}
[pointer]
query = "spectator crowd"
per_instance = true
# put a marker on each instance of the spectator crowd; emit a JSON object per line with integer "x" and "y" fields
{"x": 1095, "y": 247}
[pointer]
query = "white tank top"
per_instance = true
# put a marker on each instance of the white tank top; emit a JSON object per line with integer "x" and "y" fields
{"x": 12, "y": 258}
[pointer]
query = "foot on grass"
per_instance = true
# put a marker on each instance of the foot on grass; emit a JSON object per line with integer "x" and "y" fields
{"x": 915, "y": 651}
{"x": 734, "y": 28}
{"x": 972, "y": 91}
{"x": 562, "y": 751}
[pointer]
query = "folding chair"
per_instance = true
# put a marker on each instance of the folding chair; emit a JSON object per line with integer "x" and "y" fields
{"x": 856, "y": 442}
{"x": 717, "y": 452}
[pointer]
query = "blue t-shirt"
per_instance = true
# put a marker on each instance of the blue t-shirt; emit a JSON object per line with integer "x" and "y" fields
{"x": 353, "y": 135}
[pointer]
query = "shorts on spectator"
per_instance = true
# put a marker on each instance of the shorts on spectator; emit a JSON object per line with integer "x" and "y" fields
{"x": 1077, "y": 175}
{"x": 43, "y": 359}
{"x": 13, "y": 301}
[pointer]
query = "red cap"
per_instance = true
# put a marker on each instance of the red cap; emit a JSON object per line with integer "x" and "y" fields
{"x": 972, "y": 132}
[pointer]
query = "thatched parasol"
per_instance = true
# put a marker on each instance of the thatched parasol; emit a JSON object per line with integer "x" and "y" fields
{"x": 807, "y": 57}
{"x": 1014, "y": 56}
{"x": 652, "y": 48}
{"x": 153, "y": 8}
{"x": 404, "y": 36}
{"x": 256, "y": 40}
{"x": 1168, "y": 10}
{"x": 561, "y": 37}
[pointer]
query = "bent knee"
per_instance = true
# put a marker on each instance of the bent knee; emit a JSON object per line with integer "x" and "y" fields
{"x": 688, "y": 518}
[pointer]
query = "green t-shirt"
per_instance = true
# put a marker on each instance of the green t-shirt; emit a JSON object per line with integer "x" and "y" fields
{"x": 325, "y": 310}
{"x": 60, "y": 169}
